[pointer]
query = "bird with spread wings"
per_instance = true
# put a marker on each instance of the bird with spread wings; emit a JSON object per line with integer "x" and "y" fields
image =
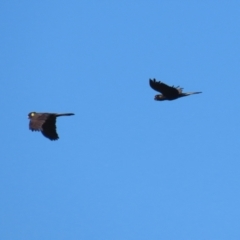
{"x": 46, "y": 123}
{"x": 167, "y": 92}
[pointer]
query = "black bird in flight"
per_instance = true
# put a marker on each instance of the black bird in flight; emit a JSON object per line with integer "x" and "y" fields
{"x": 167, "y": 92}
{"x": 46, "y": 123}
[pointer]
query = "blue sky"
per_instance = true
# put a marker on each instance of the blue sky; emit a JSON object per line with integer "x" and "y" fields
{"x": 125, "y": 166}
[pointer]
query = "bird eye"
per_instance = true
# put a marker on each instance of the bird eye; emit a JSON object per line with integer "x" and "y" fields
{"x": 32, "y": 114}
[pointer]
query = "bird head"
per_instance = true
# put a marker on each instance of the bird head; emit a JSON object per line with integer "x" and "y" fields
{"x": 159, "y": 97}
{"x": 31, "y": 114}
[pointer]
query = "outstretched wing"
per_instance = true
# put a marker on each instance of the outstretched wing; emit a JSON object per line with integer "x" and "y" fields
{"x": 163, "y": 88}
{"x": 37, "y": 122}
{"x": 49, "y": 129}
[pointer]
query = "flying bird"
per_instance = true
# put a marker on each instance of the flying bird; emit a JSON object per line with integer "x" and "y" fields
{"x": 167, "y": 92}
{"x": 46, "y": 123}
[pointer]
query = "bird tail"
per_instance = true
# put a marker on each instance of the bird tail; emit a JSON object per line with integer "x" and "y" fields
{"x": 64, "y": 114}
{"x": 190, "y": 93}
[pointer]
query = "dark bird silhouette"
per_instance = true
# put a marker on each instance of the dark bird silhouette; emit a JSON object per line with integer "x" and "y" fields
{"x": 46, "y": 123}
{"x": 167, "y": 92}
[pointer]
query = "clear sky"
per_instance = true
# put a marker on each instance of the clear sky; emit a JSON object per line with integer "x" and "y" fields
{"x": 126, "y": 167}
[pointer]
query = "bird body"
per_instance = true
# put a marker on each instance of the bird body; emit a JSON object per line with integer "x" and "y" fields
{"x": 46, "y": 123}
{"x": 167, "y": 92}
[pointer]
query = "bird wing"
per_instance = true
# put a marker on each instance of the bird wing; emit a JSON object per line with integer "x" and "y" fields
{"x": 37, "y": 121}
{"x": 163, "y": 88}
{"x": 49, "y": 129}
